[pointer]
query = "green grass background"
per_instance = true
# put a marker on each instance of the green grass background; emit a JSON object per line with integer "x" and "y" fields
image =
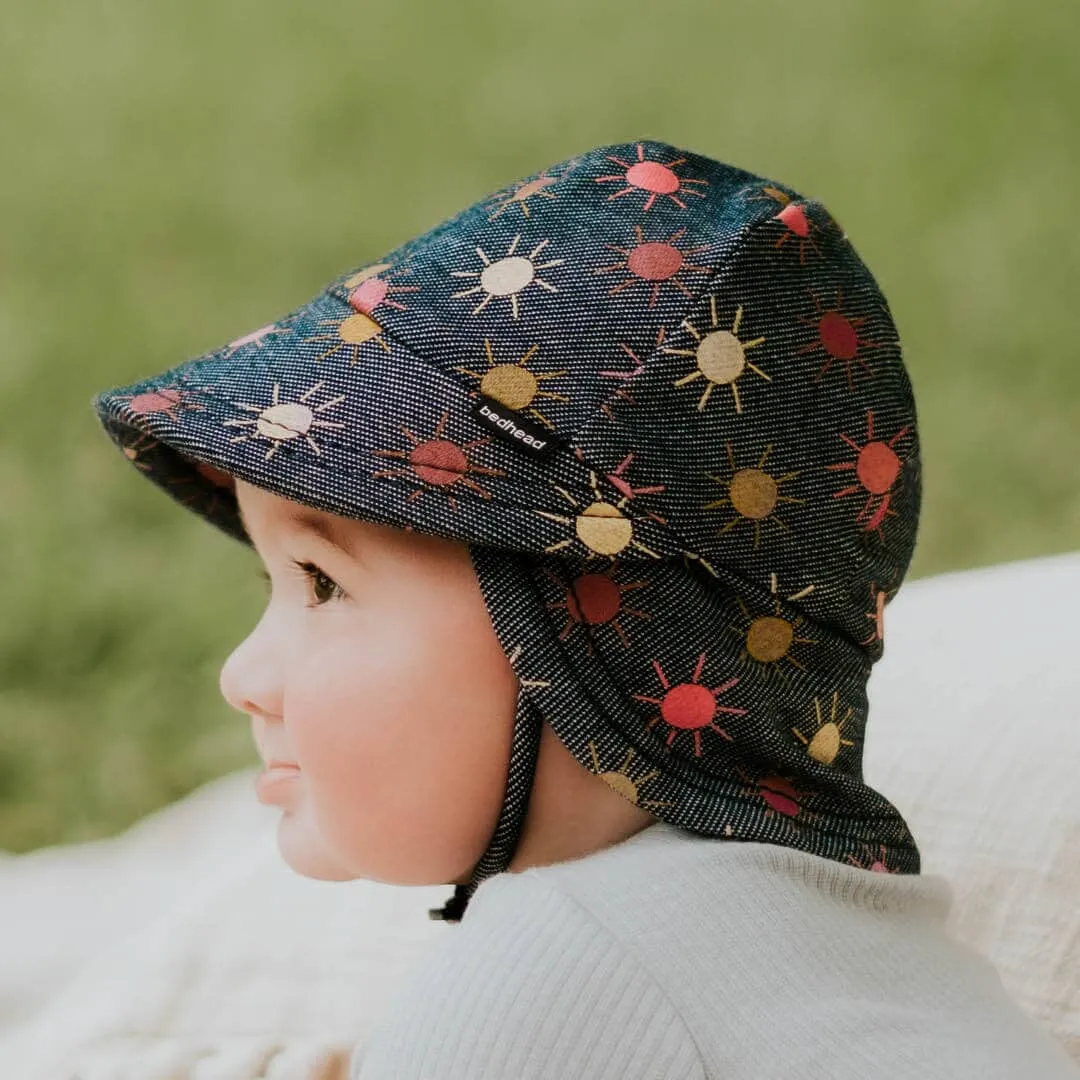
{"x": 176, "y": 174}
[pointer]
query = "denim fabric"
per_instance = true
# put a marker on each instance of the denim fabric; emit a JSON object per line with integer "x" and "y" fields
{"x": 712, "y": 492}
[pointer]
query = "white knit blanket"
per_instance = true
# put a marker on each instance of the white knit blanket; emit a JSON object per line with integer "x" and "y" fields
{"x": 185, "y": 949}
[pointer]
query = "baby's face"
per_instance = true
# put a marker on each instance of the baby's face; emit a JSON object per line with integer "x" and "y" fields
{"x": 377, "y": 671}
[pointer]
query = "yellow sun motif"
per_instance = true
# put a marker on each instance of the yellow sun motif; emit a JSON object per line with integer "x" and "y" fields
{"x": 508, "y": 276}
{"x": 437, "y": 463}
{"x": 350, "y": 333}
{"x": 283, "y": 421}
{"x": 769, "y": 638}
{"x": 514, "y": 384}
{"x": 621, "y": 781}
{"x": 826, "y": 742}
{"x": 770, "y": 194}
{"x": 753, "y": 494}
{"x": 601, "y": 526}
{"x": 522, "y": 193}
{"x": 720, "y": 356}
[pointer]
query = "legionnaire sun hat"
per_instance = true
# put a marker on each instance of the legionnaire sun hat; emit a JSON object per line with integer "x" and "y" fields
{"x": 663, "y": 401}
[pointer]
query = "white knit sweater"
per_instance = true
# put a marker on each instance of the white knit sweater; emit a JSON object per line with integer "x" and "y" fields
{"x": 675, "y": 957}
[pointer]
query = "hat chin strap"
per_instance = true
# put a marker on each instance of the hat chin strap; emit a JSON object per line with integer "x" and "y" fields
{"x": 524, "y": 750}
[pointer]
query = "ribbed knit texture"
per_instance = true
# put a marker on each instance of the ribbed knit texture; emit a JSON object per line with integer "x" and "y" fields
{"x": 678, "y": 957}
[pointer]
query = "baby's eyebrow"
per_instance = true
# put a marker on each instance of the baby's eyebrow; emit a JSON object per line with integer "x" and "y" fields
{"x": 325, "y": 528}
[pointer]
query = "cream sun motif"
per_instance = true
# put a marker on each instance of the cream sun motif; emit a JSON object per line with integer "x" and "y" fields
{"x": 507, "y": 276}
{"x": 623, "y": 783}
{"x": 283, "y": 421}
{"x": 720, "y": 356}
{"x": 600, "y": 526}
{"x": 826, "y": 741}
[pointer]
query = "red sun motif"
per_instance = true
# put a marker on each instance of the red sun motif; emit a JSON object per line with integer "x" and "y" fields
{"x": 838, "y": 337}
{"x": 879, "y": 863}
{"x": 438, "y": 463}
{"x": 595, "y": 599}
{"x": 167, "y": 399}
{"x": 655, "y": 261}
{"x": 780, "y": 795}
{"x": 877, "y": 468}
{"x": 655, "y": 178}
{"x": 690, "y": 706}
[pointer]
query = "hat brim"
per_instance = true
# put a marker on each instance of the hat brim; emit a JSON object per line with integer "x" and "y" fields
{"x": 362, "y": 429}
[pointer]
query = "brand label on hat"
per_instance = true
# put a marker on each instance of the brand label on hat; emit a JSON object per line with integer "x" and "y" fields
{"x": 525, "y": 434}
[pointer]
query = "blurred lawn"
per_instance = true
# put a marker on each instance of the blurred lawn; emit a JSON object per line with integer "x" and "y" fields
{"x": 178, "y": 173}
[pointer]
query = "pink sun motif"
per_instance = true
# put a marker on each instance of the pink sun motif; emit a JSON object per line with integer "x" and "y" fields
{"x": 521, "y": 194}
{"x": 639, "y": 367}
{"x": 792, "y": 216}
{"x": 879, "y": 863}
{"x": 656, "y": 178}
{"x": 655, "y": 262}
{"x": 622, "y": 485}
{"x": 780, "y": 796}
{"x": 880, "y": 597}
{"x": 166, "y": 399}
{"x": 256, "y": 337}
{"x": 689, "y": 706}
{"x": 368, "y": 288}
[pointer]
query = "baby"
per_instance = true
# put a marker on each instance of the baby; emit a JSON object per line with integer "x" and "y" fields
{"x": 581, "y": 513}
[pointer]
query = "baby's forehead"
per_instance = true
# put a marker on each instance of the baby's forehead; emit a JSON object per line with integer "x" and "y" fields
{"x": 272, "y": 513}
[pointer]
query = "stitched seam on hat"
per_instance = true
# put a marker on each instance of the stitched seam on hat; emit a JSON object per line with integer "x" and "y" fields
{"x": 703, "y": 290}
{"x": 205, "y": 452}
{"x": 570, "y": 437}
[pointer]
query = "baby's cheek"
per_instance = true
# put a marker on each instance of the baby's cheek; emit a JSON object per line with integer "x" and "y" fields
{"x": 360, "y": 710}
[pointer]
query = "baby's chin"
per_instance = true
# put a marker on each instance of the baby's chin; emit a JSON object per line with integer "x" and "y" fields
{"x": 305, "y": 851}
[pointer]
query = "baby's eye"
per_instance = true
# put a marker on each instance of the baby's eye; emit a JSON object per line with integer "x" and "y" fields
{"x": 323, "y": 587}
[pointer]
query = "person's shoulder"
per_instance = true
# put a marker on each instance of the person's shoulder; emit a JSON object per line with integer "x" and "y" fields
{"x": 666, "y": 872}
{"x": 530, "y": 985}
